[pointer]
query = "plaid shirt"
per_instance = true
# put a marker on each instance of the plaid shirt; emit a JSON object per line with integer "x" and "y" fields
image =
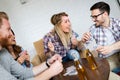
{"x": 58, "y": 46}
{"x": 98, "y": 33}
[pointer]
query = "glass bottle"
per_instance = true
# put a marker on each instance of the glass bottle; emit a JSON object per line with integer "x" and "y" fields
{"x": 80, "y": 69}
{"x": 90, "y": 59}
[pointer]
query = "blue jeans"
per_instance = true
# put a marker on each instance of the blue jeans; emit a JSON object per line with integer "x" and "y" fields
{"x": 116, "y": 70}
{"x": 69, "y": 56}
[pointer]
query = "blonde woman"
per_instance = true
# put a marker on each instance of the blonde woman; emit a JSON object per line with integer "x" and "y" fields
{"x": 61, "y": 40}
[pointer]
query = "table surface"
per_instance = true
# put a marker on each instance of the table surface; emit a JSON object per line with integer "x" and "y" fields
{"x": 101, "y": 73}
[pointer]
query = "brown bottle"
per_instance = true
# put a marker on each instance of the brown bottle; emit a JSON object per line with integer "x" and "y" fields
{"x": 80, "y": 69}
{"x": 90, "y": 59}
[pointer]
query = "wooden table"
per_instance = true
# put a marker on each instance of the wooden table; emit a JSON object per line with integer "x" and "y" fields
{"x": 101, "y": 73}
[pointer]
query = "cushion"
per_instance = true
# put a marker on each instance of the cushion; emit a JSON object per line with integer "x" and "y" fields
{"x": 40, "y": 56}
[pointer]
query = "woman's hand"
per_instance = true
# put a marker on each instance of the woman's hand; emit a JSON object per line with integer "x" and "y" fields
{"x": 23, "y": 56}
{"x": 51, "y": 46}
{"x": 74, "y": 41}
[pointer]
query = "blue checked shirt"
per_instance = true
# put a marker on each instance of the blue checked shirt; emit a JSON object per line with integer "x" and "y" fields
{"x": 58, "y": 46}
{"x": 98, "y": 33}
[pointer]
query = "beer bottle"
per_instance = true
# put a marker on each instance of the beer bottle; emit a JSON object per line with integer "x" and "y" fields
{"x": 80, "y": 69}
{"x": 90, "y": 59}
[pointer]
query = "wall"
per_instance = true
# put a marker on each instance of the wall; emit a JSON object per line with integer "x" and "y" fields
{"x": 31, "y": 21}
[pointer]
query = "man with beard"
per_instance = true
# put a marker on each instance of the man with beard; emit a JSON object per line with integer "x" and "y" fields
{"x": 9, "y": 68}
{"x": 105, "y": 32}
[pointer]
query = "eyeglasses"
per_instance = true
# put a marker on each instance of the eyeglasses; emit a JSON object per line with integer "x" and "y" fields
{"x": 95, "y": 16}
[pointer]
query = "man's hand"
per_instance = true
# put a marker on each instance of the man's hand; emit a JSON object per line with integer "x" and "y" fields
{"x": 104, "y": 49}
{"x": 56, "y": 67}
{"x": 86, "y": 37}
{"x": 54, "y": 58}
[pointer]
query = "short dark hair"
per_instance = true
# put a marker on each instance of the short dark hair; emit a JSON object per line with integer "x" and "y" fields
{"x": 3, "y": 15}
{"x": 102, "y": 6}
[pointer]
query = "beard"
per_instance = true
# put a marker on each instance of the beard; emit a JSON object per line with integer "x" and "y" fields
{"x": 4, "y": 42}
{"x": 98, "y": 23}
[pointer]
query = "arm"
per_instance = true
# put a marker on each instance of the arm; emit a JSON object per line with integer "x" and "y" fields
{"x": 51, "y": 48}
{"x": 48, "y": 46}
{"x": 74, "y": 40}
{"x": 108, "y": 49}
{"x": 27, "y": 73}
{"x": 14, "y": 68}
{"x": 39, "y": 71}
{"x": 46, "y": 73}
{"x": 86, "y": 37}
{"x": 5, "y": 75}
{"x": 54, "y": 69}
{"x": 116, "y": 45}
{"x": 40, "y": 68}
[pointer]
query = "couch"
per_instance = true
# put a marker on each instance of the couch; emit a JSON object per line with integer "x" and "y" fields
{"x": 40, "y": 56}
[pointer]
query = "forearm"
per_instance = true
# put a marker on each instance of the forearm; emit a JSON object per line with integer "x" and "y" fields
{"x": 40, "y": 68}
{"x": 116, "y": 45}
{"x": 46, "y": 75}
{"x": 81, "y": 45}
{"x": 53, "y": 70}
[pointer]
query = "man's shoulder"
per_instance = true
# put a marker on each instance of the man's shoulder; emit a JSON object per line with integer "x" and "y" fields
{"x": 5, "y": 58}
{"x": 4, "y": 54}
{"x": 115, "y": 19}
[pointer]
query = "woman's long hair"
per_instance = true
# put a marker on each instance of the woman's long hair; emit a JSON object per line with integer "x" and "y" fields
{"x": 17, "y": 50}
{"x": 64, "y": 37}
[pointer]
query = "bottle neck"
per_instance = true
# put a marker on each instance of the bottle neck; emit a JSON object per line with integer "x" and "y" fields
{"x": 77, "y": 62}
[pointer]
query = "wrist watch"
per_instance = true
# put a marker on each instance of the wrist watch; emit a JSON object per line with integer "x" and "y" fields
{"x": 47, "y": 63}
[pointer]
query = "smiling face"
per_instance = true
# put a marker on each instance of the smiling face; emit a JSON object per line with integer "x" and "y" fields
{"x": 65, "y": 24}
{"x": 12, "y": 40}
{"x": 98, "y": 17}
{"x": 5, "y": 32}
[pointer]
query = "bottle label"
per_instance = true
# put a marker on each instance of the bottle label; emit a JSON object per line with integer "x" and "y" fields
{"x": 80, "y": 66}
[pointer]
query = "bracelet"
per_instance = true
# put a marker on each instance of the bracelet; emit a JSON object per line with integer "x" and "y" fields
{"x": 47, "y": 64}
{"x": 16, "y": 58}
